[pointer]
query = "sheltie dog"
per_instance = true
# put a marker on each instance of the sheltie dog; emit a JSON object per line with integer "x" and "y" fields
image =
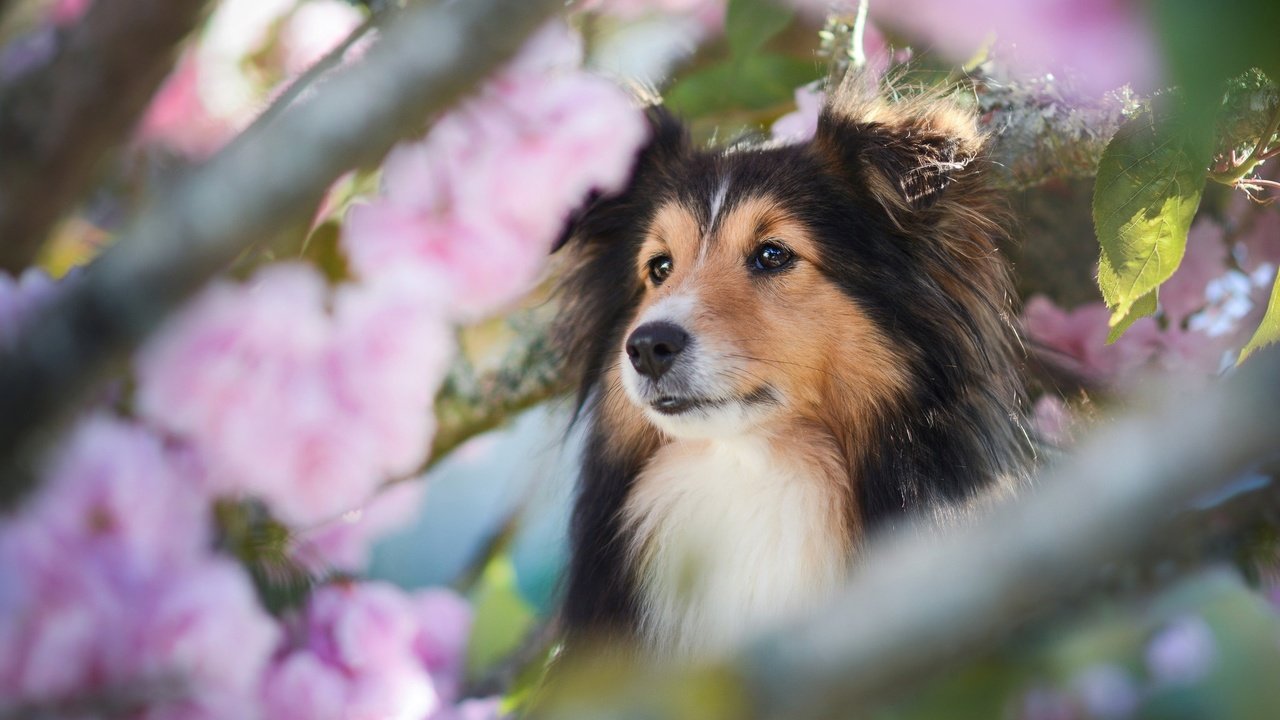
{"x": 780, "y": 349}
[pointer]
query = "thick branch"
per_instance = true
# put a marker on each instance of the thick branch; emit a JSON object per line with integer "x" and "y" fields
{"x": 57, "y": 121}
{"x": 924, "y": 599}
{"x": 425, "y": 61}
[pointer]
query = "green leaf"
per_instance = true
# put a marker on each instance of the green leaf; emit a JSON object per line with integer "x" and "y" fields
{"x": 1269, "y": 331}
{"x": 1149, "y": 183}
{"x": 502, "y": 617}
{"x": 1145, "y": 306}
{"x": 749, "y": 24}
{"x": 755, "y": 83}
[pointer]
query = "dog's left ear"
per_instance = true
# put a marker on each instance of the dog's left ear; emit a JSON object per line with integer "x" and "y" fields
{"x": 904, "y": 154}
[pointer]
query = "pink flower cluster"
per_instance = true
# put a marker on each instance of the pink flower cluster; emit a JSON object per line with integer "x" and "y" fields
{"x": 108, "y": 586}
{"x": 1102, "y": 44}
{"x": 307, "y": 408}
{"x": 474, "y": 207}
{"x": 371, "y": 651}
{"x": 1209, "y": 308}
{"x": 309, "y": 397}
{"x": 248, "y": 50}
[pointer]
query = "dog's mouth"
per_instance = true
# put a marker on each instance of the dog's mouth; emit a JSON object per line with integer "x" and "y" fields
{"x": 678, "y": 405}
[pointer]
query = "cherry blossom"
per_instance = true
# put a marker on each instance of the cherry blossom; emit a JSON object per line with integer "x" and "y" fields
{"x": 108, "y": 584}
{"x": 476, "y": 204}
{"x": 307, "y": 409}
{"x": 1101, "y": 44}
{"x": 369, "y": 650}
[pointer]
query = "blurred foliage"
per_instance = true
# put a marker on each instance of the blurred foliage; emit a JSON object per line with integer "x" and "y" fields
{"x": 1208, "y": 647}
{"x": 748, "y": 77}
{"x": 502, "y": 617}
{"x": 1206, "y": 44}
{"x": 247, "y": 532}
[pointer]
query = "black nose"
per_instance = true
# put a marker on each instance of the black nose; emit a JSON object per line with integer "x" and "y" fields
{"x": 653, "y": 347}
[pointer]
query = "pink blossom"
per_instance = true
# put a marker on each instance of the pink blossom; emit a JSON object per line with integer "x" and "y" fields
{"x": 1102, "y": 44}
{"x": 369, "y": 650}
{"x": 1261, "y": 243}
{"x": 475, "y": 205}
{"x": 1052, "y": 419}
{"x": 312, "y": 30}
{"x": 20, "y": 297}
{"x": 65, "y": 12}
{"x": 107, "y": 584}
{"x": 1205, "y": 259}
{"x": 444, "y": 626}
{"x": 178, "y": 117}
{"x": 307, "y": 409}
{"x": 801, "y": 124}
{"x": 344, "y": 543}
{"x": 1078, "y": 339}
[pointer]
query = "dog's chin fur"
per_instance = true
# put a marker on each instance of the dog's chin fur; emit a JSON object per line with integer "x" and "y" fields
{"x": 843, "y": 360}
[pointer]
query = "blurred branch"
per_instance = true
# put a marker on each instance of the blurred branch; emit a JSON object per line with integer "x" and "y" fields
{"x": 58, "y": 120}
{"x": 529, "y": 373}
{"x": 321, "y": 67}
{"x": 427, "y": 60}
{"x": 926, "y": 598}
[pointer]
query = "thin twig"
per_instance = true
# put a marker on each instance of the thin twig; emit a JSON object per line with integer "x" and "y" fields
{"x": 320, "y": 68}
{"x": 1256, "y": 155}
{"x": 857, "y": 52}
{"x": 431, "y": 57}
{"x": 59, "y": 120}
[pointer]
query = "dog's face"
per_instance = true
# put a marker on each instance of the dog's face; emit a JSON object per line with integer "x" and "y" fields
{"x": 769, "y": 286}
{"x": 739, "y": 324}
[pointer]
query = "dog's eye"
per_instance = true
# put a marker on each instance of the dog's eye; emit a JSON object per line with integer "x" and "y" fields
{"x": 660, "y": 268}
{"x": 772, "y": 256}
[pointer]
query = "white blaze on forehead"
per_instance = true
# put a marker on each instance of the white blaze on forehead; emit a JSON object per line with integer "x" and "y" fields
{"x": 717, "y": 204}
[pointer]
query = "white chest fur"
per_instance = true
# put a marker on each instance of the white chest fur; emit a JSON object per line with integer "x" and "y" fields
{"x": 729, "y": 536}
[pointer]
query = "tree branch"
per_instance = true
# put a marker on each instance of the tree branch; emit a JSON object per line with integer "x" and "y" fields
{"x": 57, "y": 121}
{"x": 528, "y": 374}
{"x": 925, "y": 598}
{"x": 426, "y": 61}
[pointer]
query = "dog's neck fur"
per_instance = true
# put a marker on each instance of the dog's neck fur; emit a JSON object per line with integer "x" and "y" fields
{"x": 729, "y": 536}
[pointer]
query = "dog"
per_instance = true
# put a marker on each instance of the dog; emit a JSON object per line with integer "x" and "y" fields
{"x": 780, "y": 350}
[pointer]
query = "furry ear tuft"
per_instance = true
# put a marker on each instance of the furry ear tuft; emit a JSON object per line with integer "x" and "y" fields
{"x": 905, "y": 152}
{"x": 668, "y": 141}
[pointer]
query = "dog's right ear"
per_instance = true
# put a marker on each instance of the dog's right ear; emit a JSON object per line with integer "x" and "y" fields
{"x": 668, "y": 143}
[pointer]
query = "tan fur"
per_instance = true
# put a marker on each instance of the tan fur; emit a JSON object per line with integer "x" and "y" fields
{"x": 795, "y": 331}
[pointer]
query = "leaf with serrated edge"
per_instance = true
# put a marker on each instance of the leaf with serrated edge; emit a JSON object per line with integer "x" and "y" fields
{"x": 1269, "y": 331}
{"x": 1149, "y": 183}
{"x": 1143, "y": 307}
